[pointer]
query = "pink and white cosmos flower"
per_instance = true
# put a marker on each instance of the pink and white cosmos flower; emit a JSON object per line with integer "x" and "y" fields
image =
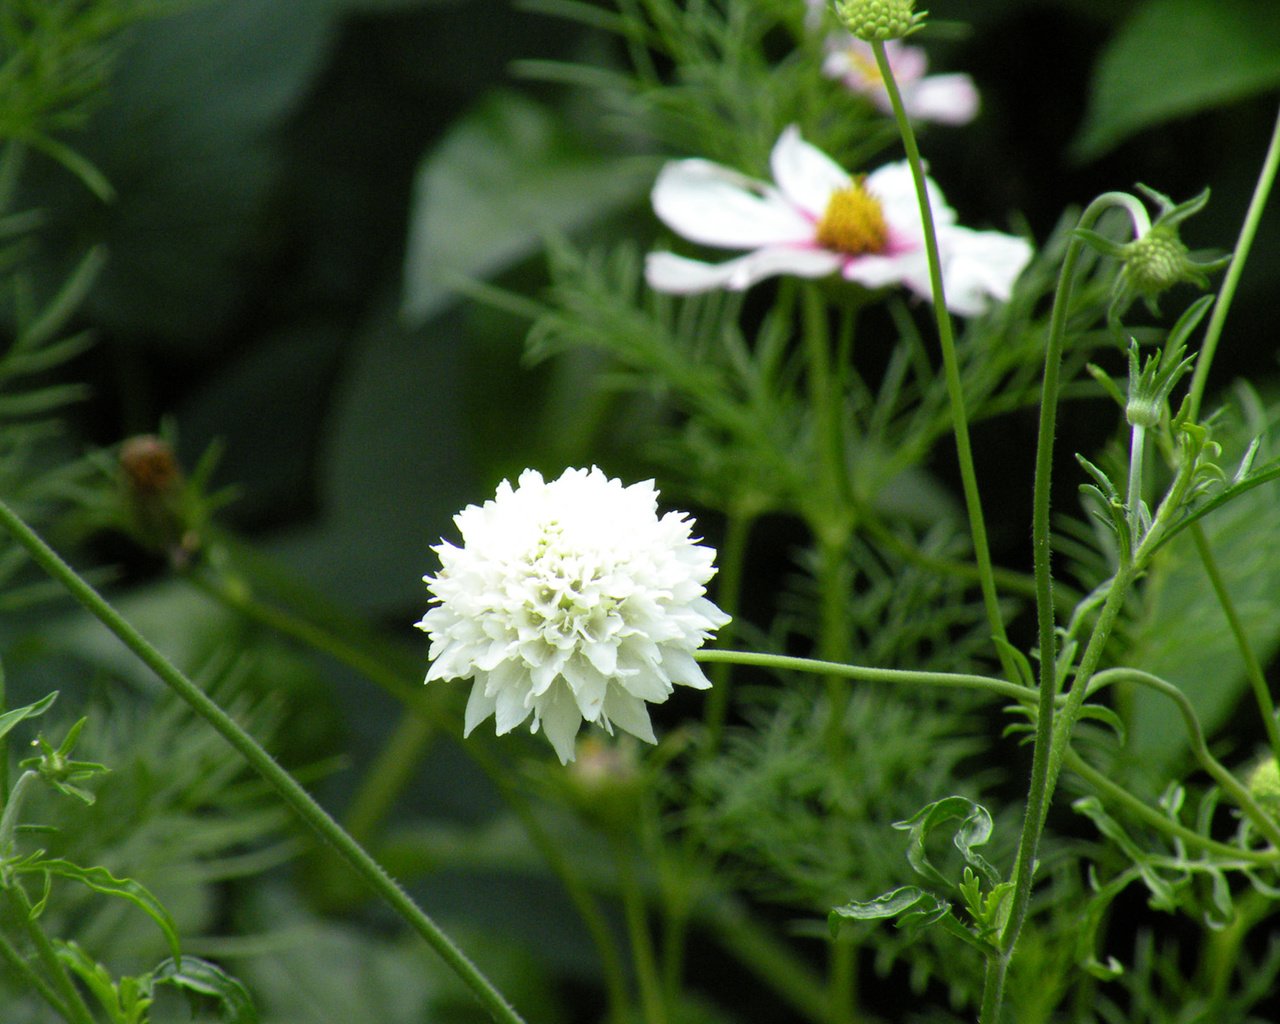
{"x": 818, "y": 220}
{"x": 947, "y": 99}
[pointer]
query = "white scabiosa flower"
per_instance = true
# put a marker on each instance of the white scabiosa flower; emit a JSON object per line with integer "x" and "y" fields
{"x": 819, "y": 220}
{"x": 570, "y": 600}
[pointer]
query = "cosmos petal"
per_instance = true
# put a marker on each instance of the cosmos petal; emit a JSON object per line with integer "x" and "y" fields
{"x": 677, "y": 275}
{"x": 714, "y": 205}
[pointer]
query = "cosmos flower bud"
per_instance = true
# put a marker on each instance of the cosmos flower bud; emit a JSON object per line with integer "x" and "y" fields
{"x": 570, "y": 601}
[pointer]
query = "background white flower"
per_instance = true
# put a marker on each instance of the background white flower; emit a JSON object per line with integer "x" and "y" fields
{"x": 947, "y": 99}
{"x": 819, "y": 220}
{"x": 570, "y": 600}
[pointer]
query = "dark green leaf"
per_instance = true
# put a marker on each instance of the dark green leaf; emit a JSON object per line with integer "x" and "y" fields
{"x": 1175, "y": 57}
{"x": 203, "y": 978}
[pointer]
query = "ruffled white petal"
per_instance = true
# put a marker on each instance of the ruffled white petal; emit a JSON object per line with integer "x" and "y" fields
{"x": 560, "y": 719}
{"x": 713, "y": 205}
{"x": 629, "y": 713}
{"x": 806, "y": 176}
{"x": 677, "y": 275}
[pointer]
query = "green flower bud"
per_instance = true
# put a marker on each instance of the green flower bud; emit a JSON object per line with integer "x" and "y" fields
{"x": 1264, "y": 786}
{"x": 1157, "y": 261}
{"x": 878, "y": 20}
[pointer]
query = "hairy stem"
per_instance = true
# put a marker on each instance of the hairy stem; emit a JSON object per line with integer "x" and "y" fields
{"x": 951, "y": 367}
{"x": 280, "y": 780}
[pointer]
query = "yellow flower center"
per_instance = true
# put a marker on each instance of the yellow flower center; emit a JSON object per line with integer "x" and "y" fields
{"x": 853, "y": 223}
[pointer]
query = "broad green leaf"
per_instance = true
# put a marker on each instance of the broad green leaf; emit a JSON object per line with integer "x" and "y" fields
{"x": 203, "y": 978}
{"x": 502, "y": 179}
{"x": 1175, "y": 57}
{"x": 1182, "y": 633}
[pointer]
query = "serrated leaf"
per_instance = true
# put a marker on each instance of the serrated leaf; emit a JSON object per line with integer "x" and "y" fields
{"x": 99, "y": 879}
{"x": 1175, "y": 57}
{"x": 206, "y": 979}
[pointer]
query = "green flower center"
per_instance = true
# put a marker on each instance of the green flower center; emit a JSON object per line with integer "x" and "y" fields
{"x": 872, "y": 20}
{"x": 1156, "y": 261}
{"x": 853, "y": 223}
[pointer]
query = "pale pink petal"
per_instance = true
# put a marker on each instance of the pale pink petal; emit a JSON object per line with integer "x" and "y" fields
{"x": 805, "y": 174}
{"x": 910, "y": 268}
{"x": 713, "y": 205}
{"x": 947, "y": 99}
{"x": 677, "y": 275}
{"x": 980, "y": 266}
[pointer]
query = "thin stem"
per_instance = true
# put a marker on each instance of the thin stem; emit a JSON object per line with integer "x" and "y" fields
{"x": 27, "y": 973}
{"x": 642, "y": 954}
{"x": 1229, "y": 784}
{"x": 865, "y": 674}
{"x": 388, "y": 775}
{"x": 1137, "y": 460}
{"x": 1043, "y": 774}
{"x": 731, "y": 559}
{"x": 955, "y": 386}
{"x": 1121, "y": 797}
{"x": 1252, "y": 667}
{"x": 9, "y": 819}
{"x": 280, "y": 780}
{"x": 842, "y": 956}
{"x": 75, "y": 1008}
{"x": 1230, "y": 281}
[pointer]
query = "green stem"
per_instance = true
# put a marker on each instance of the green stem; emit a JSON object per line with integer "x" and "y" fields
{"x": 4, "y": 744}
{"x": 865, "y": 674}
{"x": 75, "y": 1008}
{"x": 280, "y": 780}
{"x": 28, "y": 974}
{"x": 9, "y": 819}
{"x": 1230, "y": 281}
{"x": 732, "y": 560}
{"x": 388, "y": 775}
{"x": 955, "y": 386}
{"x": 1252, "y": 667}
{"x": 642, "y": 953}
{"x": 1149, "y": 816}
{"x": 842, "y": 955}
{"x": 1043, "y": 774}
{"x": 1263, "y": 821}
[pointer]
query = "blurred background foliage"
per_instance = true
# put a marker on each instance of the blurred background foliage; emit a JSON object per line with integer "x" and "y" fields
{"x": 288, "y": 205}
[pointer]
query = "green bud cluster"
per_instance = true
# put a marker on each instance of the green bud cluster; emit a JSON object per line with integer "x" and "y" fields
{"x": 1264, "y": 786}
{"x": 878, "y": 20}
{"x": 1157, "y": 261}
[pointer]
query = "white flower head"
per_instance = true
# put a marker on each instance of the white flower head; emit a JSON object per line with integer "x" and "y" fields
{"x": 570, "y": 600}
{"x": 947, "y": 99}
{"x": 818, "y": 220}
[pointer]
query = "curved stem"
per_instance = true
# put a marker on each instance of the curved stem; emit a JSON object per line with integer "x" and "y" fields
{"x": 76, "y": 1009}
{"x": 642, "y": 953}
{"x": 1263, "y": 821}
{"x": 864, "y": 674}
{"x": 1252, "y": 217}
{"x": 955, "y": 387}
{"x": 280, "y": 780}
{"x": 1252, "y": 667}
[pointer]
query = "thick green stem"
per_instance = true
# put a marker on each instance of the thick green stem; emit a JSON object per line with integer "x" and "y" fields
{"x": 280, "y": 780}
{"x": 1230, "y": 281}
{"x": 951, "y": 367}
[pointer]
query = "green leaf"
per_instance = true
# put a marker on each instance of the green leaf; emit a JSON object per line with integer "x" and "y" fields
{"x": 99, "y": 879}
{"x": 504, "y": 177}
{"x": 974, "y": 830}
{"x": 11, "y": 718}
{"x": 203, "y": 978}
{"x": 1175, "y": 57}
